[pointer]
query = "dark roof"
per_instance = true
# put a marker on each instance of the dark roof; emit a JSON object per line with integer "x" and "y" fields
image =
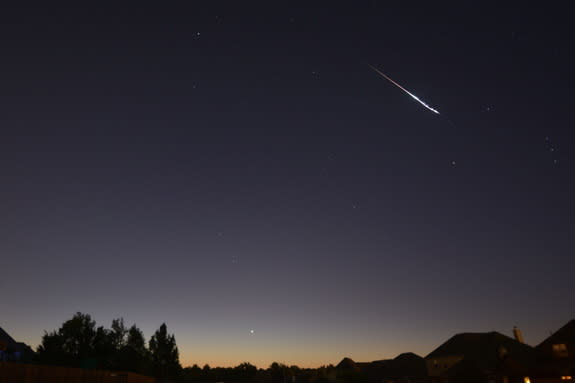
{"x": 4, "y": 337}
{"x": 20, "y": 347}
{"x": 347, "y": 364}
{"x": 407, "y": 364}
{"x": 565, "y": 334}
{"x": 407, "y": 356}
{"x": 465, "y": 370}
{"x": 485, "y": 349}
{"x": 13, "y": 346}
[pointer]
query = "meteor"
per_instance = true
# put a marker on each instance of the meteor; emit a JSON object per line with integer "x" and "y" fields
{"x": 405, "y": 90}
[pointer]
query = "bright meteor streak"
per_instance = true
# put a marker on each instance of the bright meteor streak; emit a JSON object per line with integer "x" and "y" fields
{"x": 405, "y": 90}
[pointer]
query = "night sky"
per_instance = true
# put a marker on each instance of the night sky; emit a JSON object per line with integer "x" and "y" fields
{"x": 226, "y": 168}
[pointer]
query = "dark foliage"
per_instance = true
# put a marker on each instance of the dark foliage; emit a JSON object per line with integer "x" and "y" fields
{"x": 79, "y": 343}
{"x": 164, "y": 354}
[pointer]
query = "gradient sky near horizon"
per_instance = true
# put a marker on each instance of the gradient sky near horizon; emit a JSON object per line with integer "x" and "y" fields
{"x": 227, "y": 167}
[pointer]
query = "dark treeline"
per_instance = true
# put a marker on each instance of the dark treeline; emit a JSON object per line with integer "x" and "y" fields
{"x": 275, "y": 373}
{"x": 80, "y": 343}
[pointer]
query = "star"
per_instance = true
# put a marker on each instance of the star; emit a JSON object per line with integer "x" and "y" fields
{"x": 252, "y": 331}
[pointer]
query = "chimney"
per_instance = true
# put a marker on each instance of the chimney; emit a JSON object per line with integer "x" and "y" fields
{"x": 518, "y": 335}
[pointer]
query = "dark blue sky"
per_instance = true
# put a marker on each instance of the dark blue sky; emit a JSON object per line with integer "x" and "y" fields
{"x": 228, "y": 168}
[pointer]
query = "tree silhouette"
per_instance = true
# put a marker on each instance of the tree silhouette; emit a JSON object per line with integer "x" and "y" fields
{"x": 118, "y": 333}
{"x": 246, "y": 371}
{"x": 79, "y": 343}
{"x": 73, "y": 344}
{"x": 164, "y": 354}
{"x": 280, "y": 373}
{"x": 134, "y": 356}
{"x": 103, "y": 351}
{"x": 79, "y": 334}
{"x": 51, "y": 350}
{"x": 135, "y": 339}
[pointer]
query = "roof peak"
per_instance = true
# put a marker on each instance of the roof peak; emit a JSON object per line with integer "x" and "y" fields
{"x": 5, "y": 336}
{"x": 564, "y": 333}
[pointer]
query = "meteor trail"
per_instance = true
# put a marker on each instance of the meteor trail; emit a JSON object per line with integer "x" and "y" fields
{"x": 405, "y": 90}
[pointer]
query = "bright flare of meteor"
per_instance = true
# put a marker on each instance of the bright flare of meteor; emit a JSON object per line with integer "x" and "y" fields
{"x": 405, "y": 90}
